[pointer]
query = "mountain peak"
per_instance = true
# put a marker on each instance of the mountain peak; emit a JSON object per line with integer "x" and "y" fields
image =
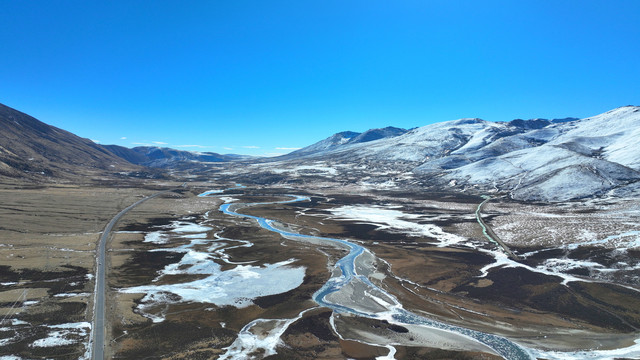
{"x": 344, "y": 138}
{"x": 529, "y": 124}
{"x": 375, "y": 134}
{"x": 465, "y": 121}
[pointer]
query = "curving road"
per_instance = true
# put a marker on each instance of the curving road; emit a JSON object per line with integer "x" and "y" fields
{"x": 488, "y": 232}
{"x": 97, "y": 327}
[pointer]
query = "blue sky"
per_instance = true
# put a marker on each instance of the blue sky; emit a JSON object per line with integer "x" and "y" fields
{"x": 263, "y": 77}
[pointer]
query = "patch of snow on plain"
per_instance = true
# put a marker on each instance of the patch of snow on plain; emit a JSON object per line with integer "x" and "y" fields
{"x": 631, "y": 352}
{"x": 389, "y": 184}
{"x": 192, "y": 262}
{"x": 236, "y": 287}
{"x": 266, "y": 340}
{"x": 624, "y": 241}
{"x": 156, "y": 237}
{"x": 564, "y": 265}
{"x": 386, "y": 218}
{"x": 9, "y": 340}
{"x": 503, "y": 261}
{"x": 65, "y": 334}
{"x": 187, "y": 227}
{"x": 319, "y": 167}
{"x": 71, "y": 294}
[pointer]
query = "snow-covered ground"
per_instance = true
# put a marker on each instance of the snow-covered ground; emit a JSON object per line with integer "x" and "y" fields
{"x": 630, "y": 352}
{"x": 393, "y": 220}
{"x": 237, "y": 286}
{"x": 388, "y": 218}
{"x": 64, "y": 334}
{"x": 597, "y": 238}
{"x": 315, "y": 168}
{"x": 251, "y": 341}
{"x": 55, "y": 335}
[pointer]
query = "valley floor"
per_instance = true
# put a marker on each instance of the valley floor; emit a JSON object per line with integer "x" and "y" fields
{"x": 187, "y": 281}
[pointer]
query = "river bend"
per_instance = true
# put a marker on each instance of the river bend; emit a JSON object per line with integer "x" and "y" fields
{"x": 388, "y": 307}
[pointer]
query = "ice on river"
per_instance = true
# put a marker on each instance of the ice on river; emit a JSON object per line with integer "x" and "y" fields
{"x": 236, "y": 287}
{"x": 207, "y": 193}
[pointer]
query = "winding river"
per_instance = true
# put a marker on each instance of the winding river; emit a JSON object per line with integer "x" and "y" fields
{"x": 375, "y": 303}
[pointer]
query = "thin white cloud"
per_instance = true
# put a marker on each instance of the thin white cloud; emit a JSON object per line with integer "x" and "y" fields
{"x": 95, "y": 141}
{"x": 227, "y": 148}
{"x": 269, "y": 154}
{"x": 251, "y": 147}
{"x": 123, "y": 138}
{"x": 288, "y": 148}
{"x": 160, "y": 143}
{"x": 192, "y": 146}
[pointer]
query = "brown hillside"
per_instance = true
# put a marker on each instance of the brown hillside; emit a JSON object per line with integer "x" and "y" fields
{"x": 31, "y": 149}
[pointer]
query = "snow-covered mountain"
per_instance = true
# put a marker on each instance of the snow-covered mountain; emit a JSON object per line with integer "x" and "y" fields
{"x": 340, "y": 140}
{"x": 545, "y": 160}
{"x": 558, "y": 162}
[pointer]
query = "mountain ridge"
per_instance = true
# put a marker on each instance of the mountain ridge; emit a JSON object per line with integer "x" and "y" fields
{"x": 346, "y": 137}
{"x": 531, "y": 160}
{"x": 163, "y": 157}
{"x": 31, "y": 149}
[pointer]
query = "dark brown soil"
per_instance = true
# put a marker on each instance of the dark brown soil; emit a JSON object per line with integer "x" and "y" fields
{"x": 521, "y": 288}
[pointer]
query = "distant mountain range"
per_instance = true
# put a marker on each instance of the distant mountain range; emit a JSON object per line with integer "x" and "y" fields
{"x": 33, "y": 150}
{"x": 533, "y": 160}
{"x": 159, "y": 157}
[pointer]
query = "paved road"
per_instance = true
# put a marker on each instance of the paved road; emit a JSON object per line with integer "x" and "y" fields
{"x": 98, "y": 325}
{"x": 488, "y": 232}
